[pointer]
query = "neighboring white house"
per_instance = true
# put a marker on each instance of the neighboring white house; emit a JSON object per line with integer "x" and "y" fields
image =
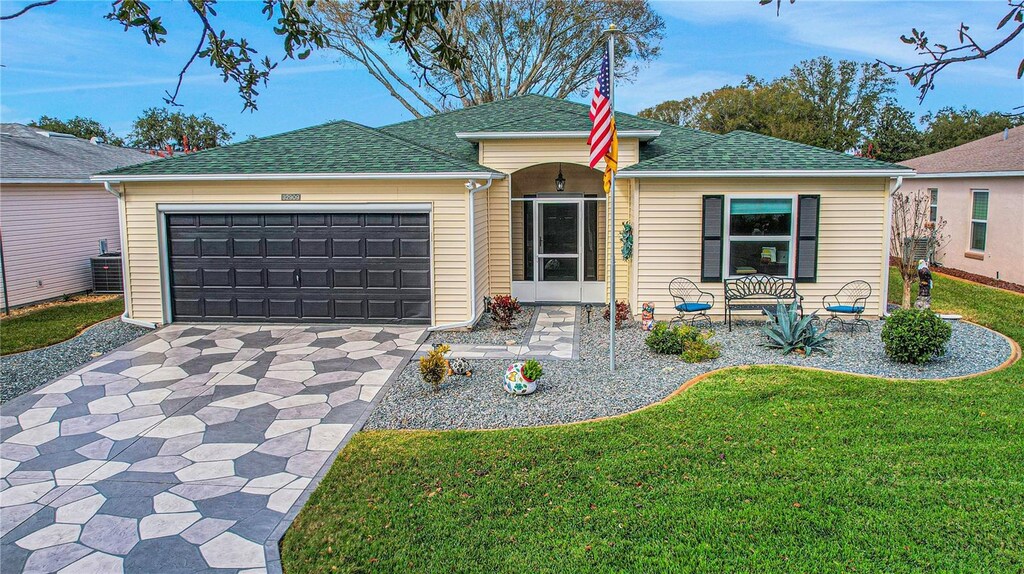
{"x": 978, "y": 188}
{"x": 52, "y": 217}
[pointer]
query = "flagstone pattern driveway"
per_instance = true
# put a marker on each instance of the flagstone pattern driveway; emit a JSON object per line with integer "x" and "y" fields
{"x": 189, "y": 450}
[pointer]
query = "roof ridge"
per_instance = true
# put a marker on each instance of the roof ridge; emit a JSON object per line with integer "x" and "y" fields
{"x": 378, "y": 132}
{"x": 462, "y": 109}
{"x": 811, "y": 147}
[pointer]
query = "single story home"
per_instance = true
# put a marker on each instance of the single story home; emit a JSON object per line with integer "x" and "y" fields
{"x": 419, "y": 221}
{"x": 978, "y": 189}
{"x": 52, "y": 216}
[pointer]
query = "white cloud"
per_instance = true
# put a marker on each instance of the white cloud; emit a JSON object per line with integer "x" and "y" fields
{"x": 662, "y": 81}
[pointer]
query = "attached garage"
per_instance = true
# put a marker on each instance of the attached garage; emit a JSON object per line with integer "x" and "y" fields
{"x": 299, "y": 267}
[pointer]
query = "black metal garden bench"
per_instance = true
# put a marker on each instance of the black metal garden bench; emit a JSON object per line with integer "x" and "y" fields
{"x": 759, "y": 292}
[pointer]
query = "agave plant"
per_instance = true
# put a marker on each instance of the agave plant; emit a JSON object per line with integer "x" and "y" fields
{"x": 787, "y": 331}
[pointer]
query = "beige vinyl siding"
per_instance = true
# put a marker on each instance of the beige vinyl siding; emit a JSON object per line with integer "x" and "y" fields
{"x": 499, "y": 281}
{"x": 49, "y": 233}
{"x": 851, "y": 240}
{"x": 481, "y": 255}
{"x": 449, "y": 233}
{"x": 512, "y": 155}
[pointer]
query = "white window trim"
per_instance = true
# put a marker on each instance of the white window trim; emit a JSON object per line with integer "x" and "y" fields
{"x": 933, "y": 203}
{"x": 970, "y": 232}
{"x": 791, "y": 238}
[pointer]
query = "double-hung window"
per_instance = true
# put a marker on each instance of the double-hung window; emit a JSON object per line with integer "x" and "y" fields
{"x": 979, "y": 219}
{"x": 760, "y": 236}
{"x": 933, "y": 206}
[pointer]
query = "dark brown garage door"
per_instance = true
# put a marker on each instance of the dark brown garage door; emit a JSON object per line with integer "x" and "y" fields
{"x": 359, "y": 268}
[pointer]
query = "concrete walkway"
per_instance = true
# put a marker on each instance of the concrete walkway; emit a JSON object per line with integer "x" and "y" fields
{"x": 190, "y": 450}
{"x": 552, "y": 335}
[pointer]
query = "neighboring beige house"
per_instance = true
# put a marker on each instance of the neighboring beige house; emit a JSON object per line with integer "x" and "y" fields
{"x": 418, "y": 221}
{"x": 52, "y": 217}
{"x": 978, "y": 188}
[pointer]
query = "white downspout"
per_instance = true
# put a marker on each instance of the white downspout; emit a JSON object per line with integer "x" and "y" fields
{"x": 473, "y": 188}
{"x": 125, "y": 285}
{"x": 894, "y": 188}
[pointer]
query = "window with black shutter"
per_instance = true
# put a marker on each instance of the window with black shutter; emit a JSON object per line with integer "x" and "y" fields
{"x": 808, "y": 208}
{"x": 711, "y": 238}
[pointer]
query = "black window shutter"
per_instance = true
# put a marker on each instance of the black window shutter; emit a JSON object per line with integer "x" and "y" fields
{"x": 711, "y": 238}
{"x": 808, "y": 207}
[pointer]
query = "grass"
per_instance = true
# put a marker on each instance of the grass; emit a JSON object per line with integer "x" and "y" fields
{"x": 54, "y": 323}
{"x": 761, "y": 469}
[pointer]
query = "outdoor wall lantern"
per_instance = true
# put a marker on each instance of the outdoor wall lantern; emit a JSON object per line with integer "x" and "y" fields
{"x": 559, "y": 181}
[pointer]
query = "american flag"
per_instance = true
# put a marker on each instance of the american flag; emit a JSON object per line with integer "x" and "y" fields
{"x": 604, "y": 142}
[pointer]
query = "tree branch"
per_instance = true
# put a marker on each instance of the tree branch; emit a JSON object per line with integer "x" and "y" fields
{"x": 27, "y": 8}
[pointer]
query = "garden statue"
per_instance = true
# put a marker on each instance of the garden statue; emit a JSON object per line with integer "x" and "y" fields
{"x": 647, "y": 316}
{"x": 924, "y": 289}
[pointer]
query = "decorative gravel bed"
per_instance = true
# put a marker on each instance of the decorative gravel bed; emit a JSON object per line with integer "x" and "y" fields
{"x": 487, "y": 332}
{"x": 579, "y": 390}
{"x": 22, "y": 372}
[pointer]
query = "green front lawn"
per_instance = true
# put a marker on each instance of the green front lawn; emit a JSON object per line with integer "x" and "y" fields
{"x": 54, "y": 324}
{"x": 752, "y": 470}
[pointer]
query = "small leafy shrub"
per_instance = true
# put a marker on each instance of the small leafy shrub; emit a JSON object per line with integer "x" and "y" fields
{"x": 915, "y": 335}
{"x": 532, "y": 370}
{"x": 503, "y": 309}
{"x": 699, "y": 350}
{"x": 622, "y": 313}
{"x": 434, "y": 367}
{"x": 667, "y": 340}
{"x": 787, "y": 331}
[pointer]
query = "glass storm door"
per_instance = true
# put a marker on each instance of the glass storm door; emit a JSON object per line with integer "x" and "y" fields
{"x": 558, "y": 251}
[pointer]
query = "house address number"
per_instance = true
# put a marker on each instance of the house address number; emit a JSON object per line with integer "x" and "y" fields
{"x": 290, "y": 197}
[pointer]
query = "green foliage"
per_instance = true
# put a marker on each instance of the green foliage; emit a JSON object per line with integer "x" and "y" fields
{"x": 503, "y": 310}
{"x": 158, "y": 128}
{"x": 532, "y": 370}
{"x": 786, "y": 330}
{"x": 950, "y": 127}
{"x": 699, "y": 350}
{"x": 915, "y": 335}
{"x": 666, "y": 339}
{"x": 434, "y": 367}
{"x": 54, "y": 323}
{"x": 894, "y": 137}
{"x": 85, "y": 128}
{"x": 820, "y": 102}
{"x": 773, "y": 458}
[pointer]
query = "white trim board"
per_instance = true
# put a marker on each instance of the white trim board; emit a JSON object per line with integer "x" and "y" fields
{"x": 642, "y": 135}
{"x": 298, "y": 176}
{"x": 771, "y": 173}
{"x": 950, "y": 175}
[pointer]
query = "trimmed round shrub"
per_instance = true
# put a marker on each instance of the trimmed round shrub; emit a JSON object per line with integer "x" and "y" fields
{"x": 915, "y": 335}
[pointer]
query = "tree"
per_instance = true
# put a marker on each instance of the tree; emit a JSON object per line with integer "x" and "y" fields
{"x": 238, "y": 61}
{"x": 158, "y": 128}
{"x": 85, "y": 128}
{"x": 820, "y": 102}
{"x": 515, "y": 47}
{"x": 949, "y": 127}
{"x": 894, "y": 137}
{"x": 914, "y": 236}
{"x": 939, "y": 55}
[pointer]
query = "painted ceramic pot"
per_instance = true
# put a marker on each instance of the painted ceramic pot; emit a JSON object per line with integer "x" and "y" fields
{"x": 516, "y": 383}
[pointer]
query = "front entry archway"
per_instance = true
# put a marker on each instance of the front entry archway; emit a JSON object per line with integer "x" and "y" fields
{"x": 558, "y": 237}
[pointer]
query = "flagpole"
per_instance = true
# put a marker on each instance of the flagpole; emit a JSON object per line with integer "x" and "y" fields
{"x": 613, "y": 308}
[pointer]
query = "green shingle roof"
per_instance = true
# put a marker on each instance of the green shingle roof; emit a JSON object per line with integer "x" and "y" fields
{"x": 430, "y": 146}
{"x": 743, "y": 151}
{"x": 339, "y": 147}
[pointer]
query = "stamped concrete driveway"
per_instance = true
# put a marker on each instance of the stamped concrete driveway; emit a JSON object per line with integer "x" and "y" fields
{"x": 190, "y": 450}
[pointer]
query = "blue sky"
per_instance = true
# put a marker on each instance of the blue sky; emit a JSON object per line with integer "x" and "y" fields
{"x": 66, "y": 60}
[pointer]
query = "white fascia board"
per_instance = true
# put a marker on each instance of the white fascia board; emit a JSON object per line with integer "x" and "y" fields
{"x": 298, "y": 176}
{"x": 643, "y": 135}
{"x": 948, "y": 175}
{"x": 772, "y": 173}
{"x": 48, "y": 180}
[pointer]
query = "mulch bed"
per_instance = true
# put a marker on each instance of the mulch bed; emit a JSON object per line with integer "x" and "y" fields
{"x": 980, "y": 279}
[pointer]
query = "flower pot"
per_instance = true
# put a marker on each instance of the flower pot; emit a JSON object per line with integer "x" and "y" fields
{"x": 515, "y": 383}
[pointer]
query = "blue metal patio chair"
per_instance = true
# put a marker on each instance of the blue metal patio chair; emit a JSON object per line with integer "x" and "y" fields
{"x": 847, "y": 305}
{"x": 690, "y": 299}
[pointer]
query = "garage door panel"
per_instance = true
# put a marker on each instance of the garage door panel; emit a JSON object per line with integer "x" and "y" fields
{"x": 300, "y": 267}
